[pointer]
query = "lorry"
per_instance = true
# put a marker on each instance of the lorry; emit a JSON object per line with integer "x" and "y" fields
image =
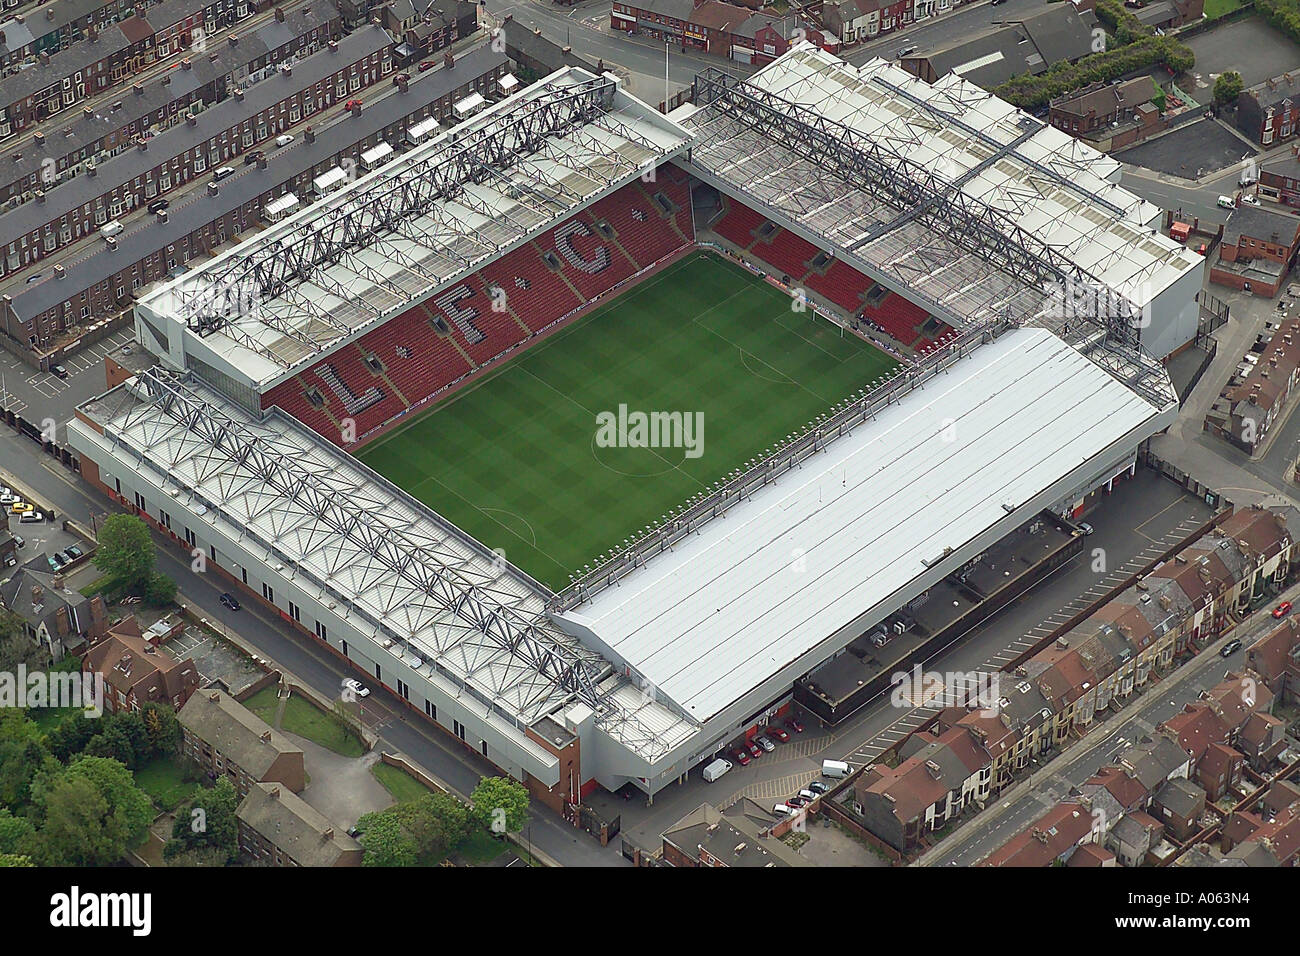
{"x": 835, "y": 768}
{"x": 716, "y": 769}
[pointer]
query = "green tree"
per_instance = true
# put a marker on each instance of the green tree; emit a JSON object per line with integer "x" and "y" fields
{"x": 1228, "y": 87}
{"x": 91, "y": 812}
{"x": 500, "y": 805}
{"x": 22, "y": 761}
{"x": 125, "y": 551}
{"x": 16, "y": 648}
{"x": 160, "y": 590}
{"x": 163, "y": 729}
{"x": 11, "y": 859}
{"x": 70, "y": 737}
{"x": 437, "y": 821}
{"x": 385, "y": 841}
{"x": 205, "y": 827}
{"x": 14, "y": 831}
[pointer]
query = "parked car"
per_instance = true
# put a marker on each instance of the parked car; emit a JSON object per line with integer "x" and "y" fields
{"x": 31, "y": 517}
{"x": 906, "y": 51}
{"x": 818, "y": 787}
{"x": 284, "y": 139}
{"x": 779, "y": 733}
{"x": 230, "y": 601}
{"x": 1282, "y": 610}
{"x": 352, "y": 104}
{"x": 73, "y": 551}
{"x": 796, "y": 802}
{"x": 1225, "y": 202}
{"x": 784, "y": 810}
{"x": 158, "y": 205}
{"x": 58, "y": 371}
{"x": 741, "y": 755}
{"x": 1248, "y": 200}
{"x": 426, "y": 65}
{"x": 754, "y": 749}
{"x": 1085, "y": 527}
{"x": 795, "y": 724}
{"x": 110, "y": 228}
{"x": 1230, "y": 648}
{"x": 65, "y": 556}
{"x": 57, "y": 560}
{"x": 54, "y": 565}
{"x": 358, "y": 688}
{"x": 22, "y": 507}
{"x": 20, "y": 541}
{"x": 8, "y": 498}
{"x": 765, "y": 743}
{"x": 34, "y": 277}
{"x": 222, "y": 173}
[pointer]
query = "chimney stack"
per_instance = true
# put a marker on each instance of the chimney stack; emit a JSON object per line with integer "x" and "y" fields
{"x": 279, "y": 14}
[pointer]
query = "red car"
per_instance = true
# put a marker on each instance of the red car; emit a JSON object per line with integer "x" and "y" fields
{"x": 779, "y": 733}
{"x": 426, "y": 65}
{"x": 352, "y": 104}
{"x": 795, "y": 724}
{"x": 741, "y": 756}
{"x": 754, "y": 748}
{"x": 1282, "y": 610}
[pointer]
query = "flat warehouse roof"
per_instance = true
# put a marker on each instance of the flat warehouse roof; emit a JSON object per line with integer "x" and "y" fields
{"x": 728, "y": 608}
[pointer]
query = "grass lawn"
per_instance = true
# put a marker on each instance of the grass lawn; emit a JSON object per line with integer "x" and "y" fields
{"x": 264, "y": 704}
{"x": 162, "y": 779}
{"x": 515, "y": 460}
{"x": 481, "y": 848}
{"x": 302, "y": 717}
{"x": 399, "y": 783}
{"x": 1218, "y": 8}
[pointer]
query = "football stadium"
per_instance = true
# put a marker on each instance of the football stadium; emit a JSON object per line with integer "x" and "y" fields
{"x": 588, "y": 430}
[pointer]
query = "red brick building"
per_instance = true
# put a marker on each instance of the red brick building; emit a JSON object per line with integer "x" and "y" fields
{"x": 137, "y": 672}
{"x": 712, "y": 26}
{"x": 1257, "y": 251}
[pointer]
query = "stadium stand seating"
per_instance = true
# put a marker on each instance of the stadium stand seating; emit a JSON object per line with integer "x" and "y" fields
{"x": 418, "y": 359}
{"x": 738, "y": 224}
{"x": 841, "y": 284}
{"x": 787, "y": 253}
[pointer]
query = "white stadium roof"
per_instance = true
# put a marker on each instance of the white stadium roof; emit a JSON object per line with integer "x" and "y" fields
{"x": 421, "y": 587}
{"x": 1060, "y": 192}
{"x": 338, "y": 267}
{"x": 725, "y": 610}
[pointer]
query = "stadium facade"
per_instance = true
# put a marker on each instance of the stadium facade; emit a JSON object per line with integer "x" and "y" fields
{"x": 295, "y": 346}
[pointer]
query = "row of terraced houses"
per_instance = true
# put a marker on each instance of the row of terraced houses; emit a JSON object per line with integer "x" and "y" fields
{"x": 1061, "y": 691}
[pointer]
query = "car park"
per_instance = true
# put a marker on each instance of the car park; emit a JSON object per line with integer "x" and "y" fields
{"x": 1230, "y": 648}
{"x": 1282, "y": 610}
{"x": 818, "y": 787}
{"x": 765, "y": 743}
{"x": 356, "y": 687}
{"x": 742, "y": 756}
{"x": 795, "y": 724}
{"x": 230, "y": 601}
{"x": 754, "y": 749}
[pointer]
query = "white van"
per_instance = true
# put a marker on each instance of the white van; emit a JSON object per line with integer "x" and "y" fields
{"x": 1225, "y": 202}
{"x": 222, "y": 173}
{"x": 716, "y": 769}
{"x": 835, "y": 768}
{"x": 110, "y": 228}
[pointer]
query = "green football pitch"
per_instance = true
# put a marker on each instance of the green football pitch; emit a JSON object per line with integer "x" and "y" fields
{"x": 517, "y": 458}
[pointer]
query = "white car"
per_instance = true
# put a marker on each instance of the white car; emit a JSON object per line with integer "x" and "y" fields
{"x": 763, "y": 742}
{"x": 284, "y": 139}
{"x": 1250, "y": 200}
{"x": 356, "y": 687}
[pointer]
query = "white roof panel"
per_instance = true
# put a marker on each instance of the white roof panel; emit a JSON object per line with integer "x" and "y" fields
{"x": 724, "y": 611}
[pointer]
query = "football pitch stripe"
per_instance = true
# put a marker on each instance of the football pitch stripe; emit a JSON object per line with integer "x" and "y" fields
{"x": 513, "y": 456}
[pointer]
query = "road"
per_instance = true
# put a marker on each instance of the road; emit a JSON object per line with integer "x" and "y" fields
{"x": 301, "y": 656}
{"x": 1030, "y": 798}
{"x": 963, "y": 22}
